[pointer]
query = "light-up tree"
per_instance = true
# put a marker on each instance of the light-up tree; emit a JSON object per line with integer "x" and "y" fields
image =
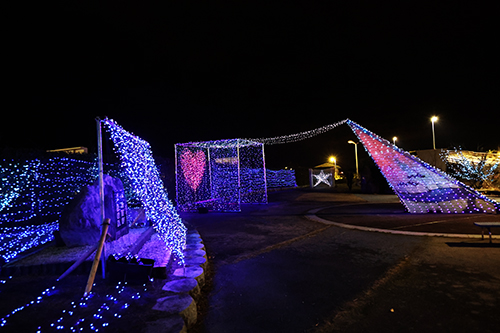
{"x": 479, "y": 170}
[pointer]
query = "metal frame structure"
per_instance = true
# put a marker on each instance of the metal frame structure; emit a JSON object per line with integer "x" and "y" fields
{"x": 220, "y": 175}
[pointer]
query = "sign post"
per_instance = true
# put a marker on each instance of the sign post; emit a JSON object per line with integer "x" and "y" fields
{"x": 101, "y": 191}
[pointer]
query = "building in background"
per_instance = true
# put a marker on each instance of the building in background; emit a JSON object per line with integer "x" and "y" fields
{"x": 73, "y": 150}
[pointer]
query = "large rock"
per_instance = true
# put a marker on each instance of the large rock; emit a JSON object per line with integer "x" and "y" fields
{"x": 81, "y": 219}
{"x": 185, "y": 285}
{"x": 182, "y": 304}
{"x": 194, "y": 272}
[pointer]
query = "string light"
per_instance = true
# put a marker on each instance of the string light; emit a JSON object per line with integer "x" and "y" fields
{"x": 37, "y": 191}
{"x": 298, "y": 136}
{"x": 93, "y": 312}
{"x": 421, "y": 187}
{"x": 138, "y": 164}
{"x": 15, "y": 179}
{"x": 232, "y": 172}
{"x": 16, "y": 240}
{"x": 42, "y": 187}
{"x": 478, "y": 168}
{"x": 108, "y": 311}
{"x": 280, "y": 178}
{"x": 220, "y": 174}
{"x": 37, "y": 300}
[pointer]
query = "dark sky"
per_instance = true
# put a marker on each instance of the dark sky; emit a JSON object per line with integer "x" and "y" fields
{"x": 172, "y": 73}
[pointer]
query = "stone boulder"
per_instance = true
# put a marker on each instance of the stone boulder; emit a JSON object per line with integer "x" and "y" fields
{"x": 81, "y": 219}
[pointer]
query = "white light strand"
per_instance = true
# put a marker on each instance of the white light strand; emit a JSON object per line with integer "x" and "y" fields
{"x": 298, "y": 136}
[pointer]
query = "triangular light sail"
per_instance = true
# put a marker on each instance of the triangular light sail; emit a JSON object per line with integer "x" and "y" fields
{"x": 421, "y": 187}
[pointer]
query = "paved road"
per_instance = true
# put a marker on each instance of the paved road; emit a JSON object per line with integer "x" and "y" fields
{"x": 276, "y": 271}
{"x": 386, "y": 212}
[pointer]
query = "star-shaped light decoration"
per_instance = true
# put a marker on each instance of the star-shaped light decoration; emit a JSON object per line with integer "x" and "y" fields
{"x": 322, "y": 177}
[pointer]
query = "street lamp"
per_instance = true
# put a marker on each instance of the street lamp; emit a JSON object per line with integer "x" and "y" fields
{"x": 433, "y": 120}
{"x": 333, "y": 160}
{"x": 355, "y": 154}
{"x": 394, "y": 139}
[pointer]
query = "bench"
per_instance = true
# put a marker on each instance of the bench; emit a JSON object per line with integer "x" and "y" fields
{"x": 487, "y": 225}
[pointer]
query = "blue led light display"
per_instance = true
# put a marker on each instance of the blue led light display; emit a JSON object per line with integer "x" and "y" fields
{"x": 34, "y": 194}
{"x": 91, "y": 313}
{"x": 139, "y": 166}
{"x": 280, "y": 178}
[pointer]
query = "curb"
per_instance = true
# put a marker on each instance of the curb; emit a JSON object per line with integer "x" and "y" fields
{"x": 183, "y": 286}
{"x": 311, "y": 215}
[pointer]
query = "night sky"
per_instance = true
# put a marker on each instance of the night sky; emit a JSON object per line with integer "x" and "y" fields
{"x": 172, "y": 73}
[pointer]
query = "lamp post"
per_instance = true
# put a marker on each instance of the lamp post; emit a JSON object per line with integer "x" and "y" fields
{"x": 355, "y": 154}
{"x": 394, "y": 139}
{"x": 433, "y": 120}
{"x": 333, "y": 160}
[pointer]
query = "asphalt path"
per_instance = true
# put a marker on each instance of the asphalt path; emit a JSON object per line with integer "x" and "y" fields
{"x": 387, "y": 213}
{"x": 275, "y": 270}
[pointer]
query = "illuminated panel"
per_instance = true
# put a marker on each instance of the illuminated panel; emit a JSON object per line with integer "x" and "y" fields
{"x": 139, "y": 166}
{"x": 421, "y": 187}
{"x": 192, "y": 177}
{"x": 253, "y": 175}
{"x": 193, "y": 167}
{"x": 280, "y": 178}
{"x": 225, "y": 178}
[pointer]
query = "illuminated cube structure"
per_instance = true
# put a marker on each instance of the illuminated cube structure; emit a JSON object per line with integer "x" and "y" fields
{"x": 220, "y": 175}
{"x": 421, "y": 187}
